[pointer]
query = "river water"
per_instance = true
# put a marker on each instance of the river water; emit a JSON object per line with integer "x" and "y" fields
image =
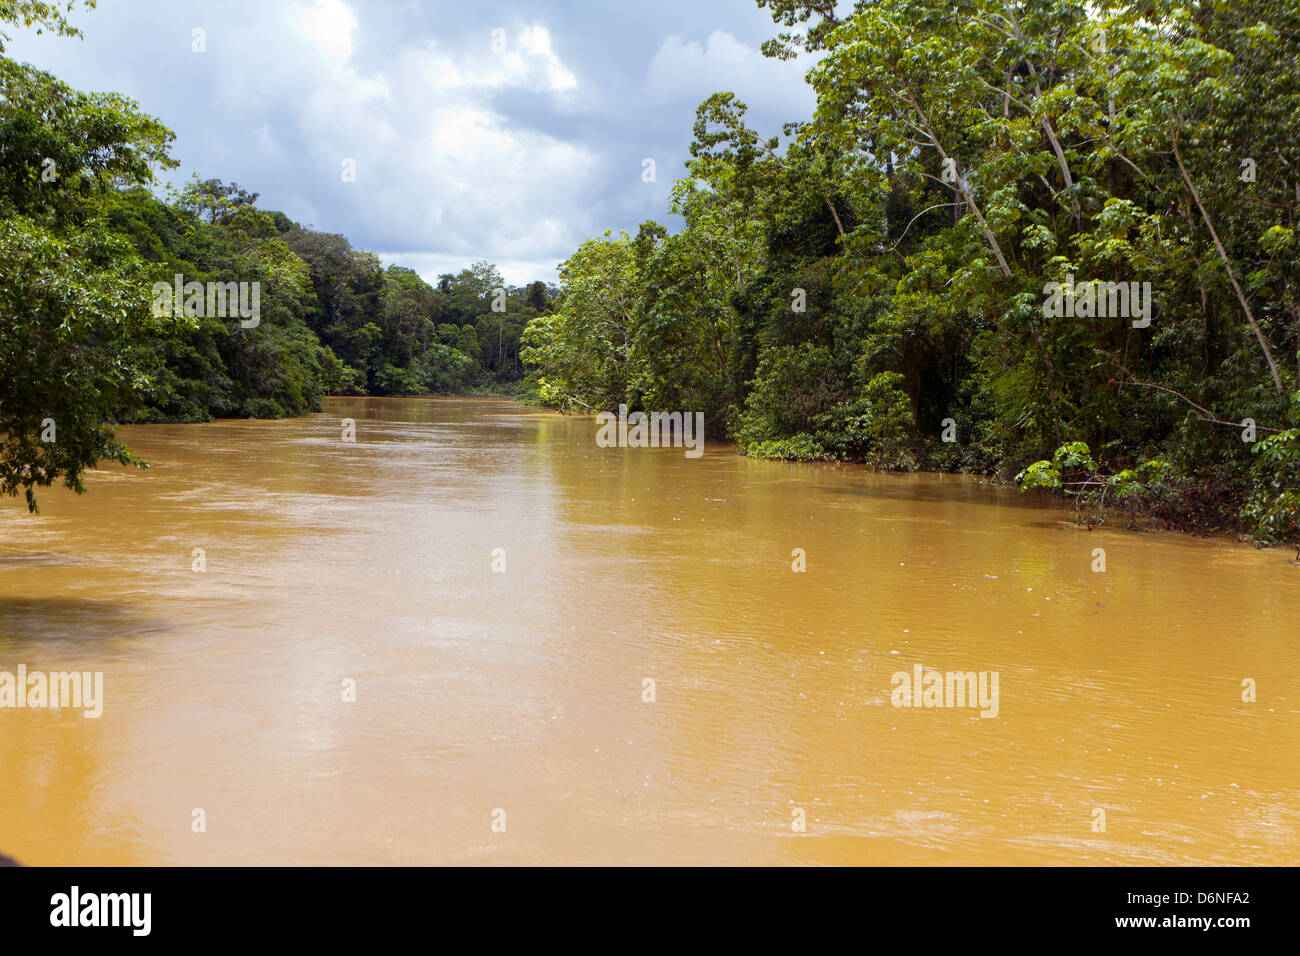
{"x": 504, "y": 716}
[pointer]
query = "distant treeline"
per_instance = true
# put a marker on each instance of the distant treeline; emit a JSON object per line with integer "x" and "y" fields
{"x": 332, "y": 319}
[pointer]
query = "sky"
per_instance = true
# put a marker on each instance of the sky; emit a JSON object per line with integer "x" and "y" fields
{"x": 477, "y": 130}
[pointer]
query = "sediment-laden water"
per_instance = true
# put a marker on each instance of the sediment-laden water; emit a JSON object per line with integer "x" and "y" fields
{"x": 516, "y": 680}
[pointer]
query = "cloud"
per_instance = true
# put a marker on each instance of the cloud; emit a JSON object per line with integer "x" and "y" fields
{"x": 500, "y": 132}
{"x": 684, "y": 69}
{"x": 329, "y": 24}
{"x": 430, "y": 265}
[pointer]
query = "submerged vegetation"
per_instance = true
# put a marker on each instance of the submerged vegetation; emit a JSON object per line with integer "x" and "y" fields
{"x": 1007, "y": 229}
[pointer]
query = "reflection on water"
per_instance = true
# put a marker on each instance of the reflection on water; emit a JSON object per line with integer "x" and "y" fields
{"x": 522, "y": 689}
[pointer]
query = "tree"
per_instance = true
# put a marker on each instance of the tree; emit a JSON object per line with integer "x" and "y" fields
{"x": 73, "y": 309}
{"x": 73, "y": 297}
{"x": 43, "y": 16}
{"x": 582, "y": 348}
{"x": 62, "y": 151}
{"x": 882, "y": 275}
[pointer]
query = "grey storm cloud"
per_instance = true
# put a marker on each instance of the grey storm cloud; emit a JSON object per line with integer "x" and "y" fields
{"x": 498, "y": 131}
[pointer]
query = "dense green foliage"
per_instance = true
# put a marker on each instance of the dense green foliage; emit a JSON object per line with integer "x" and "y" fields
{"x": 874, "y": 285}
{"x": 84, "y": 342}
{"x": 73, "y": 299}
{"x": 333, "y": 319}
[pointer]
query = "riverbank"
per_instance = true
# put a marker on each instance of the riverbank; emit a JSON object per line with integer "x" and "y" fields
{"x": 1160, "y": 498}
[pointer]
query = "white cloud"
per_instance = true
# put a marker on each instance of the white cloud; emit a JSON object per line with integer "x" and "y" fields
{"x": 437, "y": 166}
{"x": 525, "y": 62}
{"x": 468, "y": 133}
{"x": 683, "y": 70}
{"x": 515, "y": 271}
{"x": 536, "y": 41}
{"x": 329, "y": 24}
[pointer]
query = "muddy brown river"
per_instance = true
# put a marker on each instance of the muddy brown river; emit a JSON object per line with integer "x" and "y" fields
{"x": 473, "y": 636}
